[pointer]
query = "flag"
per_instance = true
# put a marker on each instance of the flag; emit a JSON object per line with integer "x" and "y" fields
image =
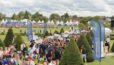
{"x": 96, "y": 40}
{"x": 29, "y": 30}
{"x": 102, "y": 39}
{"x": 45, "y": 28}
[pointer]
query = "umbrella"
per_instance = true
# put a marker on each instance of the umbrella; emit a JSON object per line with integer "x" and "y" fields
{"x": 65, "y": 25}
{"x": 74, "y": 25}
{"x": 59, "y": 24}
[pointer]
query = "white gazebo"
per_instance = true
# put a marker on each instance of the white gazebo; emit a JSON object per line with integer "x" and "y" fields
{"x": 61, "y": 23}
{"x": 77, "y": 22}
{"x": 42, "y": 21}
{"x": 39, "y": 21}
{"x": 70, "y": 22}
{"x": 48, "y": 22}
{"x": 52, "y": 22}
{"x": 33, "y": 21}
{"x": 57, "y": 23}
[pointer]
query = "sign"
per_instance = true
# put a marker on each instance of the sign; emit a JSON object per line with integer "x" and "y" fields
{"x": 96, "y": 40}
{"x": 29, "y": 30}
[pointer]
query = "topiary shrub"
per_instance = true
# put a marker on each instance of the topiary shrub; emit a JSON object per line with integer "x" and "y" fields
{"x": 112, "y": 49}
{"x": 91, "y": 32}
{"x": 18, "y": 41}
{"x": 56, "y": 32}
{"x": 71, "y": 55}
{"x": 46, "y": 34}
{"x": 89, "y": 38}
{"x": 83, "y": 41}
{"x": 62, "y": 30}
{"x": 2, "y": 44}
{"x": 9, "y": 37}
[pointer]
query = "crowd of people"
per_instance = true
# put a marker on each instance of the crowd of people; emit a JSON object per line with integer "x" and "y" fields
{"x": 48, "y": 52}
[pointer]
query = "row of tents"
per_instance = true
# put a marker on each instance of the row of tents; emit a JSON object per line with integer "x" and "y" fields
{"x": 24, "y": 23}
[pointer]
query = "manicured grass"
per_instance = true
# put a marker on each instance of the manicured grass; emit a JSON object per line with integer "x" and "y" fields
{"x": 17, "y": 30}
{"x": 109, "y": 60}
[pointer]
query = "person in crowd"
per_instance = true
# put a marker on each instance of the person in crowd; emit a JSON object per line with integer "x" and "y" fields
{"x": 48, "y": 52}
{"x": 23, "y": 46}
{"x": 1, "y": 52}
{"x": 106, "y": 47}
{"x": 30, "y": 61}
{"x": 83, "y": 52}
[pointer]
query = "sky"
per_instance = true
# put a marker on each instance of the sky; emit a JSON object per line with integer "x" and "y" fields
{"x": 46, "y": 7}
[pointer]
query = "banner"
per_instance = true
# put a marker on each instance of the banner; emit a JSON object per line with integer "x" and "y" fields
{"x": 29, "y": 30}
{"x": 102, "y": 39}
{"x": 45, "y": 28}
{"x": 96, "y": 40}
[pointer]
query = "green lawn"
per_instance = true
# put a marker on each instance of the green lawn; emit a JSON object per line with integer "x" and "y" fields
{"x": 17, "y": 30}
{"x": 109, "y": 60}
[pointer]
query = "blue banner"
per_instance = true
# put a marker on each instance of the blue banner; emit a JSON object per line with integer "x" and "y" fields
{"x": 29, "y": 30}
{"x": 96, "y": 40}
{"x": 45, "y": 28}
{"x": 102, "y": 32}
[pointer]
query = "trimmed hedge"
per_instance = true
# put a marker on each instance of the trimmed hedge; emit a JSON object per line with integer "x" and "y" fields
{"x": 72, "y": 55}
{"x": 112, "y": 49}
{"x": 83, "y": 41}
{"x": 18, "y": 41}
{"x": 9, "y": 37}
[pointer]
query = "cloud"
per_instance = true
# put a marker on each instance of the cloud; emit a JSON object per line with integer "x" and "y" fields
{"x": 46, "y": 7}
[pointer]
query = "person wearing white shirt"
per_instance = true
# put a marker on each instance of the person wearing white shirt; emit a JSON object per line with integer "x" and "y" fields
{"x": 1, "y": 52}
{"x": 22, "y": 46}
{"x": 30, "y": 62}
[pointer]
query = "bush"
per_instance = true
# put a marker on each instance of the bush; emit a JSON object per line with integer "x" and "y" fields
{"x": 62, "y": 30}
{"x": 91, "y": 32}
{"x": 2, "y": 44}
{"x": 9, "y": 37}
{"x": 89, "y": 38}
{"x": 39, "y": 35}
{"x": 112, "y": 49}
{"x": 71, "y": 55}
{"x": 18, "y": 41}
{"x": 46, "y": 34}
{"x": 56, "y": 32}
{"x": 83, "y": 41}
{"x": 112, "y": 37}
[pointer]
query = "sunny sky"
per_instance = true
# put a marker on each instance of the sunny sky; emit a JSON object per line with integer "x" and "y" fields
{"x": 46, "y": 7}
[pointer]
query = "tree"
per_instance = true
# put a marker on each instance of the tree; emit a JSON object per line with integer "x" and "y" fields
{"x": 97, "y": 18}
{"x": 65, "y": 17}
{"x": 2, "y": 16}
{"x": 21, "y": 15}
{"x": 55, "y": 17}
{"x": 56, "y": 32}
{"x": 112, "y": 49}
{"x": 1, "y": 44}
{"x": 62, "y": 30}
{"x": 74, "y": 16}
{"x": 46, "y": 33}
{"x": 44, "y": 18}
{"x": 89, "y": 38}
{"x": 14, "y": 16}
{"x": 82, "y": 26}
{"x": 83, "y": 41}
{"x": 27, "y": 15}
{"x": 18, "y": 41}
{"x": 37, "y": 16}
{"x": 91, "y": 32}
{"x": 9, "y": 37}
{"x": 71, "y": 55}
